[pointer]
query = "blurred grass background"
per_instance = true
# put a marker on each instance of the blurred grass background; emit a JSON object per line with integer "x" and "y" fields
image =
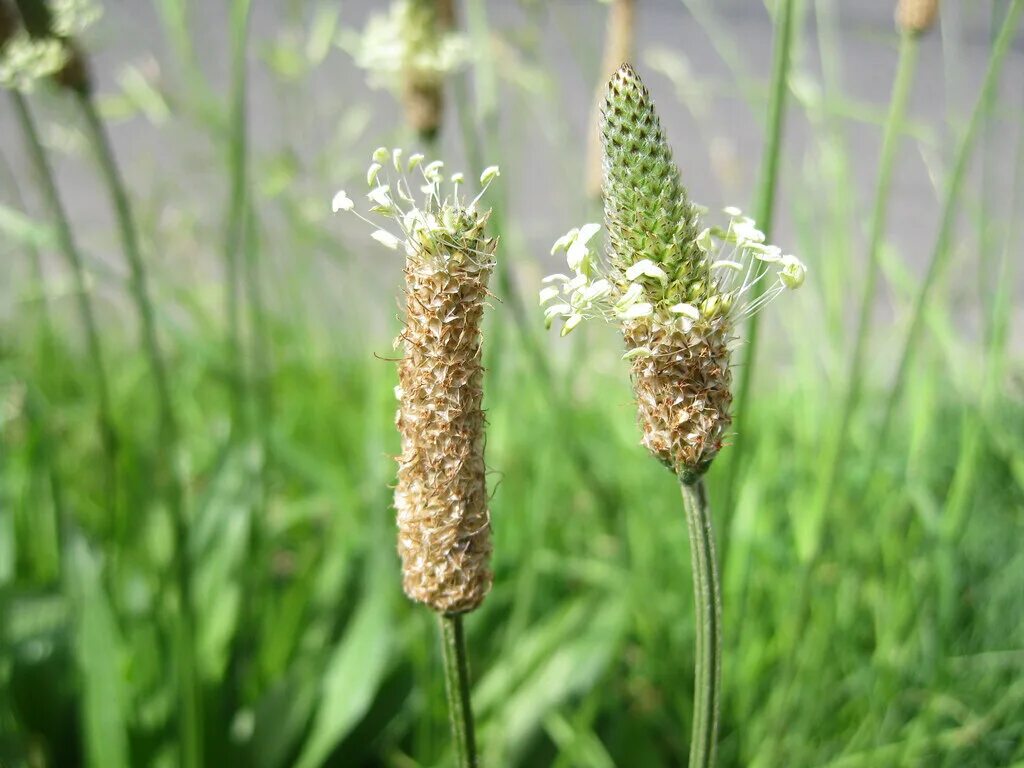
{"x": 881, "y": 628}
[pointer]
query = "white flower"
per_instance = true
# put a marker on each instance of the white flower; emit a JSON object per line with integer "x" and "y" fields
{"x": 391, "y": 197}
{"x": 381, "y": 196}
{"x": 386, "y": 239}
{"x": 738, "y": 265}
{"x": 564, "y": 241}
{"x": 548, "y": 293}
{"x": 793, "y": 272}
{"x": 371, "y": 174}
{"x": 647, "y": 268}
{"x": 490, "y": 173}
{"x": 686, "y": 310}
{"x": 341, "y": 202}
{"x": 630, "y": 297}
{"x": 643, "y": 309}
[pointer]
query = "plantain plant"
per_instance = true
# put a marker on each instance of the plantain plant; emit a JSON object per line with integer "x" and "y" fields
{"x": 677, "y": 291}
{"x": 444, "y": 527}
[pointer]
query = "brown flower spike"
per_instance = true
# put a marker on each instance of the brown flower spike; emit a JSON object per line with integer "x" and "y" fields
{"x": 444, "y": 529}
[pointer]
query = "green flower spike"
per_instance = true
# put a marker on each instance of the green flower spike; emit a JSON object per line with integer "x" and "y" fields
{"x": 676, "y": 289}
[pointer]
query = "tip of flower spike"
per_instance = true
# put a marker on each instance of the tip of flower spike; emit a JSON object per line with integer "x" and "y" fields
{"x": 624, "y": 80}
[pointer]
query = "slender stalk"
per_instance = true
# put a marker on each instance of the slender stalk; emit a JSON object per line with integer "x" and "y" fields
{"x": 235, "y": 229}
{"x": 68, "y": 247}
{"x": 890, "y": 141}
{"x": 764, "y": 211}
{"x": 940, "y": 254}
{"x": 975, "y": 420}
{"x": 190, "y": 702}
{"x": 986, "y": 237}
{"x": 707, "y": 599}
{"x": 456, "y": 681}
{"x": 44, "y": 320}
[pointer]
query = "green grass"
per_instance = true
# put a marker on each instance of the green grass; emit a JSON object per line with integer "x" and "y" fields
{"x": 898, "y": 644}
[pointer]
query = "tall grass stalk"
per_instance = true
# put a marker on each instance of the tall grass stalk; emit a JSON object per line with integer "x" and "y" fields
{"x": 235, "y": 224}
{"x": 190, "y": 698}
{"x": 977, "y": 420}
{"x": 40, "y": 296}
{"x": 707, "y": 601}
{"x": 763, "y": 212}
{"x": 854, "y": 381}
{"x": 456, "y": 681}
{"x": 83, "y": 293}
{"x": 950, "y": 210}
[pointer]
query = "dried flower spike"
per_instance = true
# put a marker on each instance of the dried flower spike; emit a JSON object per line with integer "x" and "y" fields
{"x": 444, "y": 531}
{"x": 409, "y": 51}
{"x": 675, "y": 289}
{"x": 916, "y": 16}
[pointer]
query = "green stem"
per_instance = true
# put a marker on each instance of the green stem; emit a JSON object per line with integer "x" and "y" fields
{"x": 986, "y": 239}
{"x": 707, "y": 599}
{"x": 41, "y": 302}
{"x": 69, "y": 249}
{"x": 890, "y": 141}
{"x": 234, "y": 232}
{"x": 456, "y": 680}
{"x": 190, "y": 712}
{"x": 950, "y": 210}
{"x": 965, "y": 478}
{"x": 765, "y": 209}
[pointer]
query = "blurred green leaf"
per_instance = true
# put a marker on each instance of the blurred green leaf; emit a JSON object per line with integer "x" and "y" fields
{"x": 24, "y": 230}
{"x": 99, "y": 653}
{"x": 356, "y": 667}
{"x": 220, "y": 546}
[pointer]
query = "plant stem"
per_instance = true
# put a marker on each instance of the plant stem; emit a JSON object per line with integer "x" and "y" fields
{"x": 890, "y": 141}
{"x": 707, "y": 600}
{"x": 44, "y": 321}
{"x": 190, "y": 703}
{"x": 234, "y": 231}
{"x": 456, "y": 682}
{"x": 940, "y": 255}
{"x": 66, "y": 241}
{"x": 764, "y": 213}
{"x": 976, "y": 419}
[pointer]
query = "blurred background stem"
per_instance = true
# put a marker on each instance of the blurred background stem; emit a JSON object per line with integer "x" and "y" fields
{"x": 235, "y": 222}
{"x": 836, "y": 449}
{"x": 83, "y": 297}
{"x": 763, "y": 213}
{"x": 190, "y": 698}
{"x": 950, "y": 210}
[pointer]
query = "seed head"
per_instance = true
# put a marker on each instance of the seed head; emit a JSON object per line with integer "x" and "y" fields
{"x": 916, "y": 16}
{"x": 675, "y": 289}
{"x": 444, "y": 530}
{"x": 410, "y": 50}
